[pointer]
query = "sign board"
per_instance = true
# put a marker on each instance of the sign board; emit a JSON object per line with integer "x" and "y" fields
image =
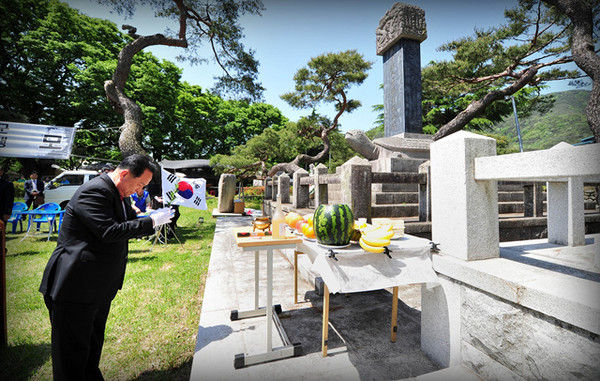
{"x": 35, "y": 140}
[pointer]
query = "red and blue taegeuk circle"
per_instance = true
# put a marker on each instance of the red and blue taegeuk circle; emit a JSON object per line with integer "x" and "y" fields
{"x": 185, "y": 190}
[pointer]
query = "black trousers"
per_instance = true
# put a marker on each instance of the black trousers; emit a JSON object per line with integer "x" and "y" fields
{"x": 77, "y": 339}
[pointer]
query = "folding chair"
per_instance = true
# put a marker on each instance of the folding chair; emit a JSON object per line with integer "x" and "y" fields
{"x": 15, "y": 215}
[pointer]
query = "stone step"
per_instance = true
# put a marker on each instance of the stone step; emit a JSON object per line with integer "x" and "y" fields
{"x": 395, "y": 210}
{"x": 510, "y": 196}
{"x": 397, "y": 164}
{"x": 395, "y": 198}
{"x": 518, "y": 207}
{"x": 394, "y": 187}
{"x": 511, "y": 185}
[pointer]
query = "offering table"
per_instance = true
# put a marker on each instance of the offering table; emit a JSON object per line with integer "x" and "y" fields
{"x": 249, "y": 241}
{"x": 351, "y": 269}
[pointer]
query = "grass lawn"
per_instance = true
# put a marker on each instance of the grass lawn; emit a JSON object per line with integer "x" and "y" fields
{"x": 152, "y": 326}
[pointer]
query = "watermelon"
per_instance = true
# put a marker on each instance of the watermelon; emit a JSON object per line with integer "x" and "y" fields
{"x": 333, "y": 224}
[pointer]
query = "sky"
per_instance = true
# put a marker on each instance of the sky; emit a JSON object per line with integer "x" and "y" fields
{"x": 291, "y": 32}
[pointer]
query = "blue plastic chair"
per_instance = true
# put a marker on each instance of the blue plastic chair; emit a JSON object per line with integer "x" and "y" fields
{"x": 15, "y": 215}
{"x": 51, "y": 210}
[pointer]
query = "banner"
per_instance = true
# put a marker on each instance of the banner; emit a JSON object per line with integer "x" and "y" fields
{"x": 185, "y": 192}
{"x": 35, "y": 140}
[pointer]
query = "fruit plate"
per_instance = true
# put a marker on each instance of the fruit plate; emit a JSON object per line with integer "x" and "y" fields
{"x": 333, "y": 247}
{"x": 309, "y": 239}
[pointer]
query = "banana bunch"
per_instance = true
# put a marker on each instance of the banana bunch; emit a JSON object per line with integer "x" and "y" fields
{"x": 374, "y": 239}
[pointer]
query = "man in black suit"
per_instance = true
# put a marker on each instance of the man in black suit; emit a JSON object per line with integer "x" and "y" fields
{"x": 34, "y": 187}
{"x": 87, "y": 268}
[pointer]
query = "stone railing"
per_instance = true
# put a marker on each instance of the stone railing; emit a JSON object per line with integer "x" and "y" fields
{"x": 355, "y": 178}
{"x": 465, "y": 172}
{"x": 510, "y": 316}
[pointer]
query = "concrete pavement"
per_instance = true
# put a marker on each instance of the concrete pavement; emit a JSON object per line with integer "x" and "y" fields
{"x": 359, "y": 341}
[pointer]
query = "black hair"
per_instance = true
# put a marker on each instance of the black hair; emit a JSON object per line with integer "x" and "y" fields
{"x": 137, "y": 164}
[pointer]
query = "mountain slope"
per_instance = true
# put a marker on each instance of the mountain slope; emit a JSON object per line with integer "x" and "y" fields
{"x": 565, "y": 122}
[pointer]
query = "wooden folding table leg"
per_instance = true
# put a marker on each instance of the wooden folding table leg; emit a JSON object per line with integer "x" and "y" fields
{"x": 394, "y": 326}
{"x": 296, "y": 276}
{"x": 325, "y": 321}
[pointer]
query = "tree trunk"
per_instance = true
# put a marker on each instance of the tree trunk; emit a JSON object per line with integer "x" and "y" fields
{"x": 132, "y": 129}
{"x": 295, "y": 164}
{"x": 474, "y": 108}
{"x": 582, "y": 47}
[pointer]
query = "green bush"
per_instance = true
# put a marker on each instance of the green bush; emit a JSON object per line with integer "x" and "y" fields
{"x": 19, "y": 189}
{"x": 254, "y": 191}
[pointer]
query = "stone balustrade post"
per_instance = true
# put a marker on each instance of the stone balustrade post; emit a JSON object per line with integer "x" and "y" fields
{"x": 284, "y": 188}
{"x": 425, "y": 193}
{"x": 355, "y": 179}
{"x": 464, "y": 211}
{"x": 321, "y": 196}
{"x": 274, "y": 185}
{"x": 268, "y": 189}
{"x": 566, "y": 223}
{"x": 300, "y": 193}
{"x": 528, "y": 200}
{"x": 538, "y": 199}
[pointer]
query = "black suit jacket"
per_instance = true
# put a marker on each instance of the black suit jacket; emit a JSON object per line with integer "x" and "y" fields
{"x": 7, "y": 197}
{"x": 88, "y": 264}
{"x": 29, "y": 188}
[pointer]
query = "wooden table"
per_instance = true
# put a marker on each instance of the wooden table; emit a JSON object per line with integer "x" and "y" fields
{"x": 410, "y": 263}
{"x": 269, "y": 244}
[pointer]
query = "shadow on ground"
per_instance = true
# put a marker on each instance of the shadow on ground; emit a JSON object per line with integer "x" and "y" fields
{"x": 360, "y": 325}
{"x": 179, "y": 373}
{"x": 20, "y": 362}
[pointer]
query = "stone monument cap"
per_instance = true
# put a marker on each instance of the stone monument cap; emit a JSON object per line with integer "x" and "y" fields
{"x": 400, "y": 21}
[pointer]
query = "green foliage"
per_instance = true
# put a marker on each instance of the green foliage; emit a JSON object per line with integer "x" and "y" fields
{"x": 326, "y": 79}
{"x": 42, "y": 55}
{"x": 276, "y": 146}
{"x": 494, "y": 60}
{"x": 214, "y": 24}
{"x": 340, "y": 151}
{"x": 55, "y": 70}
{"x": 566, "y": 121}
{"x": 262, "y": 151}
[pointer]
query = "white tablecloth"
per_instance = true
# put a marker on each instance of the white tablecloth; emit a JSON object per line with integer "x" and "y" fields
{"x": 356, "y": 270}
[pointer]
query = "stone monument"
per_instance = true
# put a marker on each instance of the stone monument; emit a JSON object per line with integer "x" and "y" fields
{"x": 227, "y": 191}
{"x": 399, "y": 35}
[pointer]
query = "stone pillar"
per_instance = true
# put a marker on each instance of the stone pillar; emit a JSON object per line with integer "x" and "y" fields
{"x": 355, "y": 179}
{"x": 538, "y": 199}
{"x": 399, "y": 35}
{"x": 300, "y": 193}
{"x": 464, "y": 211}
{"x": 528, "y": 200}
{"x": 425, "y": 194}
{"x": 440, "y": 322}
{"x": 268, "y": 189}
{"x": 566, "y": 220}
{"x": 274, "y": 182}
{"x": 284, "y": 188}
{"x": 226, "y": 193}
{"x": 321, "y": 196}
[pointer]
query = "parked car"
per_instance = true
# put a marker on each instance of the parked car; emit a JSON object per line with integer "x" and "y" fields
{"x": 61, "y": 188}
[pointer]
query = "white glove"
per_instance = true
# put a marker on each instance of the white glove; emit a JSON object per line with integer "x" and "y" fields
{"x": 162, "y": 216}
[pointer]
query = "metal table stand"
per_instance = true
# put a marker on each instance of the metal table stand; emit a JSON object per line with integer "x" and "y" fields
{"x": 288, "y": 349}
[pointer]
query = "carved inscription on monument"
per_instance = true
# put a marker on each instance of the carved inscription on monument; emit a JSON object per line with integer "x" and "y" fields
{"x": 400, "y": 21}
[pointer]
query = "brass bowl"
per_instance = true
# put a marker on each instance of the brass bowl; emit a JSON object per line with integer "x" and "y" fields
{"x": 261, "y": 223}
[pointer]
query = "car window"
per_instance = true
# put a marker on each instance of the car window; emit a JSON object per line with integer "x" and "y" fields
{"x": 67, "y": 180}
